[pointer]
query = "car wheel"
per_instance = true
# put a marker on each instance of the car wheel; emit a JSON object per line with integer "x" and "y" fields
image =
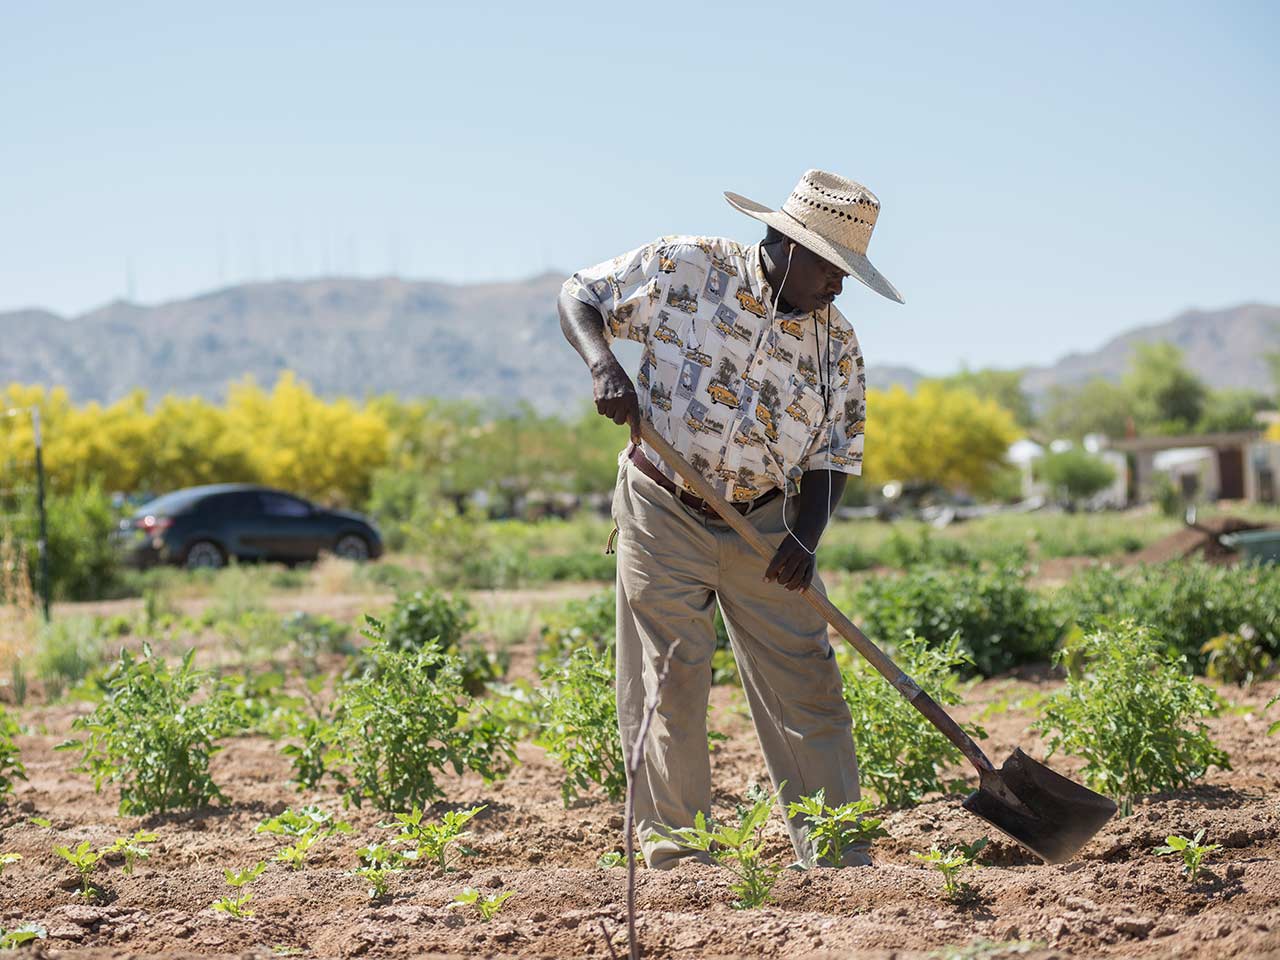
{"x": 204, "y": 554}
{"x": 352, "y": 546}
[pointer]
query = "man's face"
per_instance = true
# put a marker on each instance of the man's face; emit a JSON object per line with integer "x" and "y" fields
{"x": 812, "y": 282}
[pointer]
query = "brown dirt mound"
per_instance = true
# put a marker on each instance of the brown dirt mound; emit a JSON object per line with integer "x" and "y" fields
{"x": 1200, "y": 540}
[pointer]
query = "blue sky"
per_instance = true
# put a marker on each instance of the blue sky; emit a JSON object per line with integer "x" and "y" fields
{"x": 1049, "y": 174}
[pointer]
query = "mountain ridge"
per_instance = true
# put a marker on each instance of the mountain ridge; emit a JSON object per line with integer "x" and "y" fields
{"x": 496, "y": 342}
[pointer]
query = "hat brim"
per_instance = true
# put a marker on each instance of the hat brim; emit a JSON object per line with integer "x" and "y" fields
{"x": 850, "y": 261}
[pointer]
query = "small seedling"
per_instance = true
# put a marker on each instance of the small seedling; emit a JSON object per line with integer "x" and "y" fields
{"x": 307, "y": 820}
{"x": 294, "y": 856}
{"x": 1275, "y": 727}
{"x": 8, "y": 858}
{"x": 611, "y": 859}
{"x": 13, "y": 939}
{"x": 833, "y": 830}
{"x": 380, "y": 862}
{"x": 950, "y": 862}
{"x": 487, "y": 907}
{"x": 431, "y": 841}
{"x": 239, "y": 879}
{"x": 740, "y": 849}
{"x": 132, "y": 848}
{"x": 44, "y": 822}
{"x": 85, "y": 860}
{"x": 1192, "y": 851}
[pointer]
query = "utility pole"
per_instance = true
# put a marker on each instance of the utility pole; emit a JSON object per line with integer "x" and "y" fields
{"x": 42, "y": 545}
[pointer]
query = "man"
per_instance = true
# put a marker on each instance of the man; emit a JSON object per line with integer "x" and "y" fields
{"x": 757, "y": 381}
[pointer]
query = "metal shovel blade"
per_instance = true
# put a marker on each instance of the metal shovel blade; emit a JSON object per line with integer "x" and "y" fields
{"x": 1041, "y": 810}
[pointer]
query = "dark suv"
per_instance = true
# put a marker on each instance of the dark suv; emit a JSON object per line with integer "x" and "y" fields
{"x": 207, "y": 526}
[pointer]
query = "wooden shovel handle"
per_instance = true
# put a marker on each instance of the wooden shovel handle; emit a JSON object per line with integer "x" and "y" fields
{"x": 843, "y": 625}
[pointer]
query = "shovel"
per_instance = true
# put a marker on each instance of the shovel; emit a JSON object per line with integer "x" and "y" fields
{"x": 1026, "y": 801}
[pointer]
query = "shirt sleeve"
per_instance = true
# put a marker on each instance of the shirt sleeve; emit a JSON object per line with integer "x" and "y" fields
{"x": 624, "y": 290}
{"x": 838, "y": 444}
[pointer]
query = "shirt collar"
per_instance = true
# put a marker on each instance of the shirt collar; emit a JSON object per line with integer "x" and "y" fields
{"x": 766, "y": 292}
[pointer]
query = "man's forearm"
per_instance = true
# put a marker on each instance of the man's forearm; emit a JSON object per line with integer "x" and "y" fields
{"x": 583, "y": 327}
{"x": 816, "y": 504}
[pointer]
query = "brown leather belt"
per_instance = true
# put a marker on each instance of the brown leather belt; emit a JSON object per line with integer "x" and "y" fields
{"x": 645, "y": 466}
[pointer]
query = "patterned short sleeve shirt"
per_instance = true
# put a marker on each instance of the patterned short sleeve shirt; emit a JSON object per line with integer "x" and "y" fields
{"x": 751, "y": 404}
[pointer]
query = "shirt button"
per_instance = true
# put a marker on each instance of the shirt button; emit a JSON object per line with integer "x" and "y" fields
{"x": 760, "y": 361}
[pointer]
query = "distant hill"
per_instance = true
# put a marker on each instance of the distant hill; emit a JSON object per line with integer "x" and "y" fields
{"x": 1225, "y": 348}
{"x": 485, "y": 342}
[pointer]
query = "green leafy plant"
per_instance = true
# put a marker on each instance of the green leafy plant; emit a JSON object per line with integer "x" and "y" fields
{"x": 579, "y": 623}
{"x": 378, "y": 863}
{"x": 580, "y": 723}
{"x": 132, "y": 849}
{"x": 431, "y": 841}
{"x": 402, "y": 721}
{"x": 611, "y": 859}
{"x": 1133, "y": 713}
{"x": 1000, "y": 619}
{"x": 84, "y": 859}
{"x": 8, "y": 858}
{"x": 237, "y": 906}
{"x": 901, "y": 755}
{"x": 1192, "y": 851}
{"x": 308, "y": 826}
{"x": 27, "y": 932}
{"x": 1238, "y": 657}
{"x": 833, "y": 830}
{"x": 739, "y": 848}
{"x": 11, "y": 767}
{"x": 305, "y": 820}
{"x": 1186, "y": 604}
{"x": 153, "y": 736}
{"x": 486, "y": 906}
{"x": 1275, "y": 727}
{"x": 951, "y": 861}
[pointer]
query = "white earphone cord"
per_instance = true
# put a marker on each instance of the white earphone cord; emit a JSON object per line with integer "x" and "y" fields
{"x": 773, "y": 313}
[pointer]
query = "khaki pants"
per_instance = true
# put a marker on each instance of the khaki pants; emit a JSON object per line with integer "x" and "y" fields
{"x": 673, "y": 565}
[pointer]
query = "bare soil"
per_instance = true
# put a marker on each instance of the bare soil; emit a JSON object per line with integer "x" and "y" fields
{"x": 1116, "y": 900}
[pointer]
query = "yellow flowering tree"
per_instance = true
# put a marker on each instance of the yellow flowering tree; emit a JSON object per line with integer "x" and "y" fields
{"x": 939, "y": 434}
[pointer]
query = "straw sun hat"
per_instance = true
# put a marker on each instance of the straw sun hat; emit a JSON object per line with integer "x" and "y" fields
{"x": 831, "y": 216}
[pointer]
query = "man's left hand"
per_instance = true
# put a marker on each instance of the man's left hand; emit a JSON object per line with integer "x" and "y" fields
{"x": 792, "y": 566}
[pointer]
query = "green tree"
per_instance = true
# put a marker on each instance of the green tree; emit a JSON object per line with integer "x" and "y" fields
{"x": 1232, "y": 409}
{"x": 1076, "y": 475}
{"x": 1002, "y": 386}
{"x": 1167, "y": 396}
{"x": 1098, "y": 406}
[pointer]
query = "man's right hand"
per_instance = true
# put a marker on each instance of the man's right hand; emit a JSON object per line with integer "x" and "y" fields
{"x": 616, "y": 395}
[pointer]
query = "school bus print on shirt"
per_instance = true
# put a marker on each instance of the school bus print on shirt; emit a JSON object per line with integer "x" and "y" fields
{"x": 682, "y": 299}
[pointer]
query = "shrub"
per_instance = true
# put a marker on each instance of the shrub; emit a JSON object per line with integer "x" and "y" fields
{"x": 314, "y": 634}
{"x": 401, "y": 722}
{"x": 900, "y": 754}
{"x": 1133, "y": 713}
{"x": 1075, "y": 474}
{"x": 11, "y": 767}
{"x": 67, "y": 650}
{"x": 152, "y": 736}
{"x": 580, "y": 723}
{"x": 1000, "y": 620}
{"x": 428, "y": 617}
{"x": 1186, "y": 604}
{"x": 590, "y": 622}
{"x": 83, "y": 561}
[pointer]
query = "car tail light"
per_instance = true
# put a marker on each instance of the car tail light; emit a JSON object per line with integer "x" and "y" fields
{"x": 153, "y": 524}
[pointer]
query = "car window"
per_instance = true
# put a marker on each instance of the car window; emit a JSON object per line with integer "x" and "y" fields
{"x": 279, "y": 505}
{"x": 230, "y": 505}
